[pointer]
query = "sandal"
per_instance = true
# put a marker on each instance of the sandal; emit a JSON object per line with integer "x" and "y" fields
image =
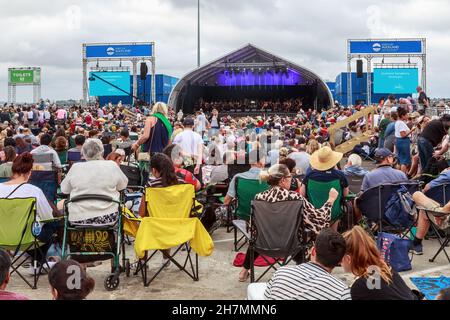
{"x": 243, "y": 277}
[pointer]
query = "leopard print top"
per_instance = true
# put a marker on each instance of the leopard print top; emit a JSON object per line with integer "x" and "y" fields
{"x": 313, "y": 219}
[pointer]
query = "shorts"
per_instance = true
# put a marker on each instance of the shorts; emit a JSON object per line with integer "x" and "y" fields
{"x": 441, "y": 222}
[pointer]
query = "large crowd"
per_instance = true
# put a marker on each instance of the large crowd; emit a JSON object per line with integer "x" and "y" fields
{"x": 89, "y": 147}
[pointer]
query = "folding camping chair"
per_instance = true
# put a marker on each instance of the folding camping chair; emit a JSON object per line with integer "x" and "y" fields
{"x": 372, "y": 204}
{"x": 246, "y": 190}
{"x": 440, "y": 194}
{"x": 355, "y": 184}
{"x": 275, "y": 232}
{"x": 47, "y": 181}
{"x": 94, "y": 242}
{"x": 17, "y": 216}
{"x": 45, "y": 160}
{"x": 73, "y": 157}
{"x": 171, "y": 225}
{"x": 317, "y": 193}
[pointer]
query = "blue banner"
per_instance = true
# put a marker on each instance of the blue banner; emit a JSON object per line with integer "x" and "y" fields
{"x": 109, "y": 84}
{"x": 395, "y": 81}
{"x": 386, "y": 47}
{"x": 119, "y": 51}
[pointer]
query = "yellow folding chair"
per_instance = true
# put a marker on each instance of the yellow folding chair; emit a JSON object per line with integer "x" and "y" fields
{"x": 172, "y": 223}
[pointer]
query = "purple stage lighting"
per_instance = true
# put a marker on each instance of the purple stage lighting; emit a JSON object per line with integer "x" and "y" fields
{"x": 260, "y": 78}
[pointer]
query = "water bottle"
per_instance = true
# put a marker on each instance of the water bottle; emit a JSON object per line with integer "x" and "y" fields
{"x": 37, "y": 228}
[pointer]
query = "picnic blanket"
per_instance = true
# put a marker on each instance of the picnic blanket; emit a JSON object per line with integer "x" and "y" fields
{"x": 430, "y": 287}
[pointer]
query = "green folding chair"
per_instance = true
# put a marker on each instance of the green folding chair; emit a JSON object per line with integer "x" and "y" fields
{"x": 246, "y": 190}
{"x": 317, "y": 193}
{"x": 17, "y": 217}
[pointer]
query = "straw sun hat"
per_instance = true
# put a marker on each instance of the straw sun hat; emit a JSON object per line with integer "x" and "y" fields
{"x": 325, "y": 159}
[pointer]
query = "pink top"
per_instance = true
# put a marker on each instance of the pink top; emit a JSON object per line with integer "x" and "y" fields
{"x": 60, "y": 114}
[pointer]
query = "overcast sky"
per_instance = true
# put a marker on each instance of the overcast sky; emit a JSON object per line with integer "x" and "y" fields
{"x": 49, "y": 34}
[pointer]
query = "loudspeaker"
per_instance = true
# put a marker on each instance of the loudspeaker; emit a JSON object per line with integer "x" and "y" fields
{"x": 359, "y": 68}
{"x": 144, "y": 71}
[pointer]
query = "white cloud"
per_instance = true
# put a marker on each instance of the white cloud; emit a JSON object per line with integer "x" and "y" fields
{"x": 49, "y": 33}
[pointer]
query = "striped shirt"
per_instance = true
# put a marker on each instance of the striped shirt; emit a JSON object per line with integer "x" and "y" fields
{"x": 307, "y": 281}
{"x": 157, "y": 182}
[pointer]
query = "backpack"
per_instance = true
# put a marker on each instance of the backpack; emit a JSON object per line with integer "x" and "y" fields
{"x": 399, "y": 209}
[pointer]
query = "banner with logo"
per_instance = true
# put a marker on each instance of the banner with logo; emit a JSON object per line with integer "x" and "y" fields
{"x": 386, "y": 47}
{"x": 119, "y": 50}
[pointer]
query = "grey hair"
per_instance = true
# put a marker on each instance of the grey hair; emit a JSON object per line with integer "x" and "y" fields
{"x": 92, "y": 150}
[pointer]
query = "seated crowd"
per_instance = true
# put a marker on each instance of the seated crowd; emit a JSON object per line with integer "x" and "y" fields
{"x": 292, "y": 156}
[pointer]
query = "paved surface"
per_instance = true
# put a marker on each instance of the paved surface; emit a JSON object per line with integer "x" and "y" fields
{"x": 218, "y": 277}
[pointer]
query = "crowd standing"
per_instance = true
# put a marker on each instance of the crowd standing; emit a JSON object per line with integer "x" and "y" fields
{"x": 290, "y": 153}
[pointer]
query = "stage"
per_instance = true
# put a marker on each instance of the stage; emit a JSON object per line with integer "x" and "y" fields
{"x": 249, "y": 80}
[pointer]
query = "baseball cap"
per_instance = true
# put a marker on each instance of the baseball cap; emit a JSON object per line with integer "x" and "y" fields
{"x": 383, "y": 153}
{"x": 188, "y": 122}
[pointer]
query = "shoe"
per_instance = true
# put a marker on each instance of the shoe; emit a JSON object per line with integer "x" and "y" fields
{"x": 417, "y": 249}
{"x": 44, "y": 270}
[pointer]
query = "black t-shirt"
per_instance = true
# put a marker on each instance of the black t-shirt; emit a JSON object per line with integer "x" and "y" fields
{"x": 434, "y": 132}
{"x": 396, "y": 290}
{"x": 423, "y": 98}
{"x": 4, "y": 116}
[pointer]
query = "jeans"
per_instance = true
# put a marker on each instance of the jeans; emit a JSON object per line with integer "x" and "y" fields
{"x": 425, "y": 151}
{"x": 381, "y": 143}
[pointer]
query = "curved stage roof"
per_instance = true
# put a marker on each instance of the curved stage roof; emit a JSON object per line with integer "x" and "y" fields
{"x": 212, "y": 74}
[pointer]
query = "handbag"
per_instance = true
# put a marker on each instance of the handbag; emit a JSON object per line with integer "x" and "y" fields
{"x": 145, "y": 156}
{"x": 395, "y": 251}
{"x": 132, "y": 173}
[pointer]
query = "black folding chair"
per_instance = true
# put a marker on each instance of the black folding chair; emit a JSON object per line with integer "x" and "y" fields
{"x": 440, "y": 194}
{"x": 372, "y": 204}
{"x": 355, "y": 183}
{"x": 276, "y": 232}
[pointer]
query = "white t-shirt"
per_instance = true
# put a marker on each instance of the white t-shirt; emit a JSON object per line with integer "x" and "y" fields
{"x": 189, "y": 141}
{"x": 99, "y": 177}
{"x": 399, "y": 127}
{"x": 43, "y": 209}
{"x": 301, "y": 161}
{"x": 274, "y": 156}
{"x": 201, "y": 123}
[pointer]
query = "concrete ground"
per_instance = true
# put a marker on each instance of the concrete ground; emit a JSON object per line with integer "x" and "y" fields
{"x": 218, "y": 276}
